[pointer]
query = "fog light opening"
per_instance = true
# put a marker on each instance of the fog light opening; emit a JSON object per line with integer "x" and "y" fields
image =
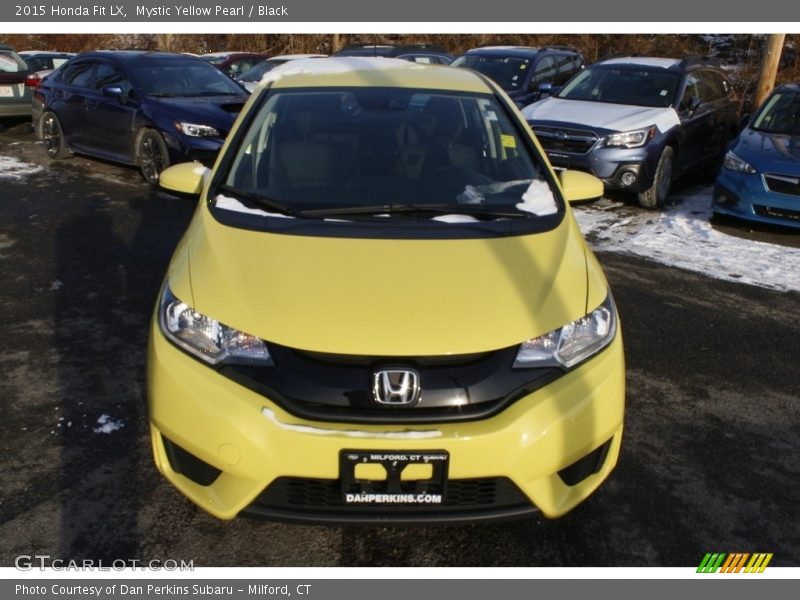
{"x": 189, "y": 465}
{"x": 588, "y": 465}
{"x": 627, "y": 178}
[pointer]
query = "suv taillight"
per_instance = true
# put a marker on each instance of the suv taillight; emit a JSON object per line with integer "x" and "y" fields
{"x": 33, "y": 81}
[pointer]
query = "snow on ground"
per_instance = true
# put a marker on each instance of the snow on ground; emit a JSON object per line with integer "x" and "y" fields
{"x": 682, "y": 236}
{"x": 107, "y": 424}
{"x": 12, "y": 168}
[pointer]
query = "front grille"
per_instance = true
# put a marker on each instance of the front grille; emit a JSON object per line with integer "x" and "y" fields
{"x": 339, "y": 388}
{"x": 782, "y": 184}
{"x": 557, "y": 139}
{"x": 302, "y": 499}
{"x": 780, "y": 213}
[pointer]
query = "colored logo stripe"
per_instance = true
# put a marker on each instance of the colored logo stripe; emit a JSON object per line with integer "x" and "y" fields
{"x": 735, "y": 562}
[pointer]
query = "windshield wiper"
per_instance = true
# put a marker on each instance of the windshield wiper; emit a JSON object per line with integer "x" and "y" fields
{"x": 259, "y": 200}
{"x": 438, "y": 209}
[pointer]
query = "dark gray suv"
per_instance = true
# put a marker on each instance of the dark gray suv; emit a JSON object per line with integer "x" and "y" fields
{"x": 638, "y": 123}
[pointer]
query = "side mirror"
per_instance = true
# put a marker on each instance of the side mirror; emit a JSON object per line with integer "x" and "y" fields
{"x": 694, "y": 104}
{"x": 113, "y": 91}
{"x": 545, "y": 88}
{"x": 578, "y": 186}
{"x": 185, "y": 178}
{"x": 744, "y": 121}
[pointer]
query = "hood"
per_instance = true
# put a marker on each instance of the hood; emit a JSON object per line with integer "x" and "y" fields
{"x": 217, "y": 111}
{"x": 601, "y": 115}
{"x": 769, "y": 152}
{"x": 386, "y": 297}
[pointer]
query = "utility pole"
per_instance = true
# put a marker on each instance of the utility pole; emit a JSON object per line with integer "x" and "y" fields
{"x": 336, "y": 43}
{"x": 769, "y": 67}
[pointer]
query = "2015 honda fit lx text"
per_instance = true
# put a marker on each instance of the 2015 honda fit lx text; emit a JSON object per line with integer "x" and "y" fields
{"x": 383, "y": 310}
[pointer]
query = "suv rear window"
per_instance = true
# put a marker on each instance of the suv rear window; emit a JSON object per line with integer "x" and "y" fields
{"x": 508, "y": 71}
{"x": 11, "y": 63}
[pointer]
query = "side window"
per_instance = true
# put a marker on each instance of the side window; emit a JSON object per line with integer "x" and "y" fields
{"x": 544, "y": 72}
{"x": 566, "y": 67}
{"x": 718, "y": 84}
{"x": 78, "y": 74}
{"x": 107, "y": 75}
{"x": 692, "y": 90}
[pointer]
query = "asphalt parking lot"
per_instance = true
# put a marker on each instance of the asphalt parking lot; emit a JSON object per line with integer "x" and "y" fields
{"x": 710, "y": 458}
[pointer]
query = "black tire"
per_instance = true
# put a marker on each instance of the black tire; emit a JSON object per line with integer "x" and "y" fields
{"x": 152, "y": 156}
{"x": 657, "y": 194}
{"x": 53, "y": 136}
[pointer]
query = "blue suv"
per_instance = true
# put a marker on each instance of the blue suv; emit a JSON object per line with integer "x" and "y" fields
{"x": 526, "y": 74}
{"x": 637, "y": 123}
{"x": 147, "y": 109}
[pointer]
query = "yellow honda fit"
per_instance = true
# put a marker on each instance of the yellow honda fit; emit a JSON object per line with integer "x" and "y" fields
{"x": 383, "y": 310}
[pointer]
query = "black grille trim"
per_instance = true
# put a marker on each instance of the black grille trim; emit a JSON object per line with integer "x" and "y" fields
{"x": 559, "y": 139}
{"x": 338, "y": 389}
{"x": 782, "y": 184}
{"x": 305, "y": 500}
{"x": 779, "y": 213}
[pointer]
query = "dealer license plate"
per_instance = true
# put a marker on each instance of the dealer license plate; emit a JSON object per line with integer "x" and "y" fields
{"x": 6, "y": 91}
{"x": 390, "y": 488}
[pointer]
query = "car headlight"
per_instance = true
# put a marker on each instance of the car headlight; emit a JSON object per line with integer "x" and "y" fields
{"x": 574, "y": 342}
{"x": 630, "y": 139}
{"x": 206, "y": 338}
{"x": 196, "y": 130}
{"x": 733, "y": 163}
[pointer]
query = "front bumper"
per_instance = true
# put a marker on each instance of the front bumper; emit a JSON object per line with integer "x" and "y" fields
{"x": 252, "y": 446}
{"x": 612, "y": 164}
{"x": 184, "y": 148}
{"x": 745, "y": 196}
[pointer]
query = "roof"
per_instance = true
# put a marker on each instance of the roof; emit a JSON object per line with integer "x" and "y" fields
{"x": 126, "y": 55}
{"x": 643, "y": 61}
{"x": 517, "y": 51}
{"x": 373, "y": 72}
{"x": 283, "y": 57}
{"x": 789, "y": 87}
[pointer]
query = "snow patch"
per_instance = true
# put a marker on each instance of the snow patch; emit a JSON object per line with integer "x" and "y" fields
{"x": 538, "y": 199}
{"x": 107, "y": 424}
{"x": 455, "y": 218}
{"x": 227, "y": 203}
{"x": 13, "y": 168}
{"x": 682, "y": 236}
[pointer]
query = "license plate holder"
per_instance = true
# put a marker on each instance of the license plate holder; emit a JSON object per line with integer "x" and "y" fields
{"x": 393, "y": 491}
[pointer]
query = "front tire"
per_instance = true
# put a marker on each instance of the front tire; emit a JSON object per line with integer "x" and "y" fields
{"x": 152, "y": 156}
{"x": 657, "y": 194}
{"x": 53, "y": 136}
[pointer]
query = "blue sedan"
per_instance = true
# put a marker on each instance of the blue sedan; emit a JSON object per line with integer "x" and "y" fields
{"x": 760, "y": 175}
{"x": 147, "y": 109}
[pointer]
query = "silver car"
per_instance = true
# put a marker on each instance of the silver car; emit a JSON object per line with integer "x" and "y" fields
{"x": 15, "y": 84}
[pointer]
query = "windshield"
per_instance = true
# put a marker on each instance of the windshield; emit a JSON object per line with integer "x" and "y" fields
{"x": 374, "y": 150}
{"x": 507, "y": 71}
{"x": 781, "y": 114}
{"x": 257, "y": 72}
{"x": 623, "y": 85}
{"x": 178, "y": 78}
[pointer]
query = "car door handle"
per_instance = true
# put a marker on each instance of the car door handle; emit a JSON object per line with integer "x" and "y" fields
{"x": 92, "y": 103}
